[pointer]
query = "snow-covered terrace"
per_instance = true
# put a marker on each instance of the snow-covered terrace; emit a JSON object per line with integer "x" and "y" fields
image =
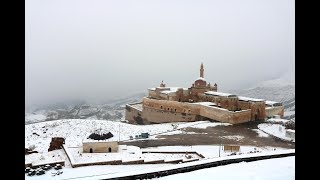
{"x": 206, "y": 103}
{"x": 241, "y": 98}
{"x": 273, "y": 103}
{"x": 171, "y": 90}
{"x": 137, "y": 106}
{"x": 219, "y": 94}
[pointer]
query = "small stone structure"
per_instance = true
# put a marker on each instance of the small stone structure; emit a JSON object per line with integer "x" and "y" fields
{"x": 231, "y": 148}
{"x": 102, "y": 143}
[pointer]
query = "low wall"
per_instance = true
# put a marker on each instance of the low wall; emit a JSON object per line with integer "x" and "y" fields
{"x": 226, "y": 116}
{"x": 51, "y": 164}
{"x": 114, "y": 162}
{"x": 140, "y": 161}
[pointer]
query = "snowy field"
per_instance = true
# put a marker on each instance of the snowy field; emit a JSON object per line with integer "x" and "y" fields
{"x": 73, "y": 173}
{"x": 271, "y": 169}
{"x": 209, "y": 151}
{"x": 76, "y": 130}
{"x": 276, "y": 130}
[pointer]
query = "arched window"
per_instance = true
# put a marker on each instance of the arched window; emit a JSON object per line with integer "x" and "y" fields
{"x": 109, "y": 149}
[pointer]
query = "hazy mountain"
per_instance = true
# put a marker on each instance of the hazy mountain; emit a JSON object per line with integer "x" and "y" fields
{"x": 280, "y": 90}
{"x": 112, "y": 110}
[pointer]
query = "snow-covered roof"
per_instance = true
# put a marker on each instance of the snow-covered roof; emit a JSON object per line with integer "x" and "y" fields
{"x": 152, "y": 89}
{"x": 271, "y": 102}
{"x": 106, "y": 140}
{"x": 206, "y": 103}
{"x": 201, "y": 78}
{"x": 290, "y": 130}
{"x": 241, "y": 98}
{"x": 219, "y": 94}
{"x": 171, "y": 90}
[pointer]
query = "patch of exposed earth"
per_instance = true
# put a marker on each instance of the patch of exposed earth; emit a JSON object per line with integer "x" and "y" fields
{"x": 240, "y": 134}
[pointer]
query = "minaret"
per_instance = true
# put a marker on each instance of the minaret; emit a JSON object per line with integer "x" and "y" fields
{"x": 201, "y": 70}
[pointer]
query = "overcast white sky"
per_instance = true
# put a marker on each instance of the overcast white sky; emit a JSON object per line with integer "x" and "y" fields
{"x": 101, "y": 49}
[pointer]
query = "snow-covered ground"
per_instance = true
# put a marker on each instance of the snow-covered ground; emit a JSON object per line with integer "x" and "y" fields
{"x": 277, "y": 130}
{"x": 279, "y": 168}
{"x": 209, "y": 151}
{"x": 76, "y": 130}
{"x": 73, "y": 173}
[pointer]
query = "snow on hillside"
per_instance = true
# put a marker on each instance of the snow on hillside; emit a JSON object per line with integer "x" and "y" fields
{"x": 33, "y": 118}
{"x": 276, "y": 130}
{"x": 281, "y": 168}
{"x": 281, "y": 90}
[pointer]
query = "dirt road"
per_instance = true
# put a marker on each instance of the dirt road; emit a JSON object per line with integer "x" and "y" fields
{"x": 241, "y": 134}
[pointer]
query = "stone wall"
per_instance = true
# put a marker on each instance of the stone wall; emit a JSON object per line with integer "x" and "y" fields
{"x": 160, "y": 111}
{"x": 223, "y": 115}
{"x": 133, "y": 115}
{"x": 163, "y": 116}
{"x": 230, "y": 103}
{"x": 243, "y": 105}
{"x": 277, "y": 110}
{"x": 171, "y": 106}
{"x": 100, "y": 147}
{"x": 258, "y": 110}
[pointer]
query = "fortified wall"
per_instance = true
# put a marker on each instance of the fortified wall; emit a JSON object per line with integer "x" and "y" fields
{"x": 199, "y": 102}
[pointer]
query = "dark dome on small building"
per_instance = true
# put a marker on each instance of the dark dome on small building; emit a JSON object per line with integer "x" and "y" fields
{"x": 100, "y": 136}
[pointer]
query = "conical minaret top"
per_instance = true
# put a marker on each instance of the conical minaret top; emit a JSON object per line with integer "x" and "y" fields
{"x": 201, "y": 70}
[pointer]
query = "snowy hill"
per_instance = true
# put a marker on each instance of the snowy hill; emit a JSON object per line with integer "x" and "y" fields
{"x": 112, "y": 110}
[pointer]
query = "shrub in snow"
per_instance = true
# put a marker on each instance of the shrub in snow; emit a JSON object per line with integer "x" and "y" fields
{"x": 290, "y": 124}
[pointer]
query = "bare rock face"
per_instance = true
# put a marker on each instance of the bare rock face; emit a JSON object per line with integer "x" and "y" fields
{"x": 56, "y": 143}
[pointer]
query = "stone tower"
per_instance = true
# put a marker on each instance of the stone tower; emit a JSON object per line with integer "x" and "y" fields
{"x": 201, "y": 70}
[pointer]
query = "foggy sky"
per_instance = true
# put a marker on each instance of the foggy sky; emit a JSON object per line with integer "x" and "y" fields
{"x": 102, "y": 49}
